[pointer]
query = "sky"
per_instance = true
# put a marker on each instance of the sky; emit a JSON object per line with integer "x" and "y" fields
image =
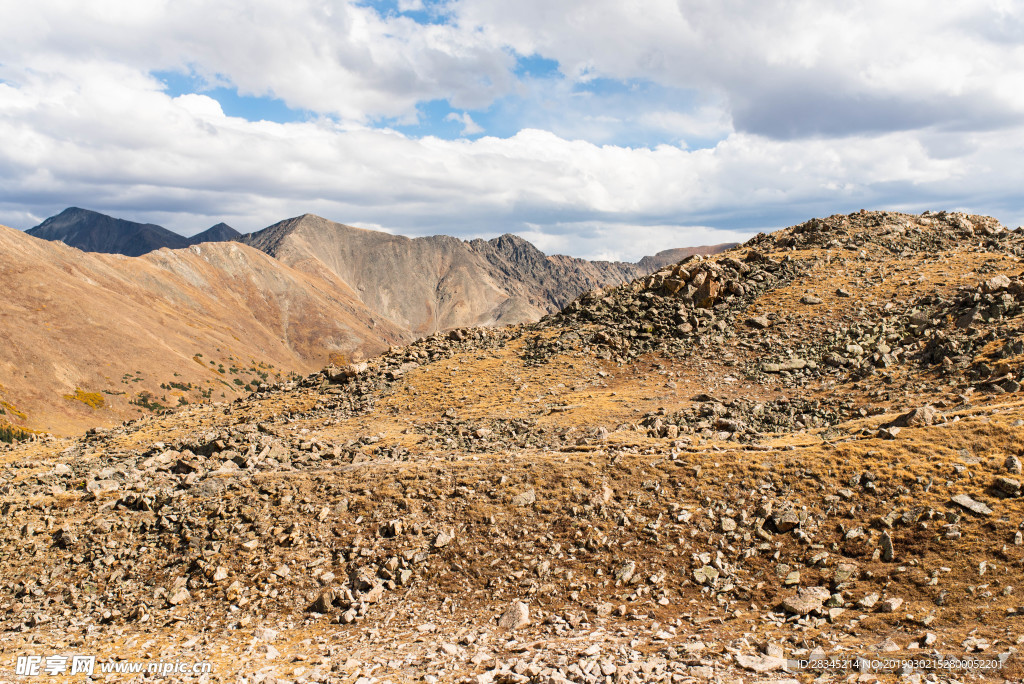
{"x": 597, "y": 128}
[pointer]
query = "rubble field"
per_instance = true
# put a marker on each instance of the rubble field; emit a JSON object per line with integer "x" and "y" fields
{"x": 808, "y": 447}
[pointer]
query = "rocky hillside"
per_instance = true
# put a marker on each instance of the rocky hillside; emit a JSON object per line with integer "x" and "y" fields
{"x": 93, "y": 339}
{"x": 91, "y": 231}
{"x": 805, "y": 449}
{"x": 108, "y": 336}
{"x": 440, "y": 282}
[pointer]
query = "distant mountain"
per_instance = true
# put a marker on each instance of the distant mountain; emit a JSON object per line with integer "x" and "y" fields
{"x": 650, "y": 264}
{"x": 221, "y": 232}
{"x": 434, "y": 283}
{"x": 91, "y": 231}
{"x": 80, "y": 330}
{"x": 211, "y": 321}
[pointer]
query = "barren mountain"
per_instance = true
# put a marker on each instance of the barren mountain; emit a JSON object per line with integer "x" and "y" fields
{"x": 436, "y": 283}
{"x": 221, "y": 232}
{"x": 91, "y": 231}
{"x": 91, "y": 339}
{"x": 667, "y": 257}
{"x": 799, "y": 460}
{"x": 89, "y": 329}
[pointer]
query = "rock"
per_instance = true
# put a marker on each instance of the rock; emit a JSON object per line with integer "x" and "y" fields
{"x": 918, "y": 417}
{"x": 1012, "y": 465}
{"x": 1006, "y": 487}
{"x": 806, "y": 600}
{"x": 443, "y": 539}
{"x": 868, "y": 602}
{"x": 727, "y": 524}
{"x": 791, "y": 365}
{"x": 392, "y": 528}
{"x": 888, "y": 432}
{"x": 705, "y": 575}
{"x": 810, "y": 299}
{"x": 760, "y": 663}
{"x": 890, "y": 605}
{"x": 786, "y": 521}
{"x": 267, "y": 634}
{"x": 179, "y": 596}
{"x": 102, "y": 486}
{"x": 845, "y": 572}
{"x": 323, "y": 602}
{"x": 233, "y": 591}
{"x": 374, "y": 594}
{"x": 516, "y": 617}
{"x": 624, "y": 573}
{"x": 336, "y": 375}
{"x": 971, "y": 505}
{"x": 996, "y": 283}
{"x": 759, "y": 322}
{"x": 888, "y": 553}
{"x": 525, "y": 498}
{"x": 221, "y": 573}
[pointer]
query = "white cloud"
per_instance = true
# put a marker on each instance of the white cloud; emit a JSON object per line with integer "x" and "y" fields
{"x": 469, "y": 127}
{"x": 117, "y": 143}
{"x": 798, "y": 108}
{"x": 339, "y": 58}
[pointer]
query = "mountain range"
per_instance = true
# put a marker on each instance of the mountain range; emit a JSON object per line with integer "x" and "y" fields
{"x": 96, "y": 338}
{"x": 92, "y": 231}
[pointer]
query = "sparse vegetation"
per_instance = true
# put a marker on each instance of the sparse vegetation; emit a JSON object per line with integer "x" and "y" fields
{"x": 147, "y": 401}
{"x": 8, "y": 408}
{"x": 93, "y": 400}
{"x": 13, "y": 433}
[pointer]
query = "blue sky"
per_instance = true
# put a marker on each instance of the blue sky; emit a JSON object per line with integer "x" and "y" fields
{"x": 589, "y": 127}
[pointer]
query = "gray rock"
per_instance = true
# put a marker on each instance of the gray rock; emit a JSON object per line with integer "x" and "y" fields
{"x": 806, "y": 600}
{"x": 516, "y": 617}
{"x": 1006, "y": 487}
{"x": 918, "y": 417}
{"x": 705, "y": 575}
{"x": 761, "y": 663}
{"x": 971, "y": 505}
{"x": 525, "y": 498}
{"x": 625, "y": 572}
{"x": 888, "y": 552}
{"x": 890, "y": 605}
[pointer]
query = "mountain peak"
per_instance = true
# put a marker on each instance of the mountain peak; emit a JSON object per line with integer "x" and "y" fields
{"x": 221, "y": 232}
{"x": 91, "y": 231}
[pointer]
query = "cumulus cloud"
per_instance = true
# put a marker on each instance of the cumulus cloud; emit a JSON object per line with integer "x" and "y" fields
{"x": 469, "y": 127}
{"x": 738, "y": 115}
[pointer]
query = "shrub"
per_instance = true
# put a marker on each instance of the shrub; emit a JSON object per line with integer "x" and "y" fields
{"x": 93, "y": 400}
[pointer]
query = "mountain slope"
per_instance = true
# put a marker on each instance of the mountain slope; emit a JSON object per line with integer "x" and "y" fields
{"x": 805, "y": 449}
{"x": 106, "y": 327}
{"x": 439, "y": 282}
{"x": 92, "y": 231}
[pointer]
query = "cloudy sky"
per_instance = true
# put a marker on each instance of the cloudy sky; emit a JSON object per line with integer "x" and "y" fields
{"x": 598, "y": 128}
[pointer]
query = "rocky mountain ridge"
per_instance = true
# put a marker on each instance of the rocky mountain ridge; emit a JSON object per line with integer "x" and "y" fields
{"x": 440, "y": 282}
{"x": 91, "y": 231}
{"x": 98, "y": 339}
